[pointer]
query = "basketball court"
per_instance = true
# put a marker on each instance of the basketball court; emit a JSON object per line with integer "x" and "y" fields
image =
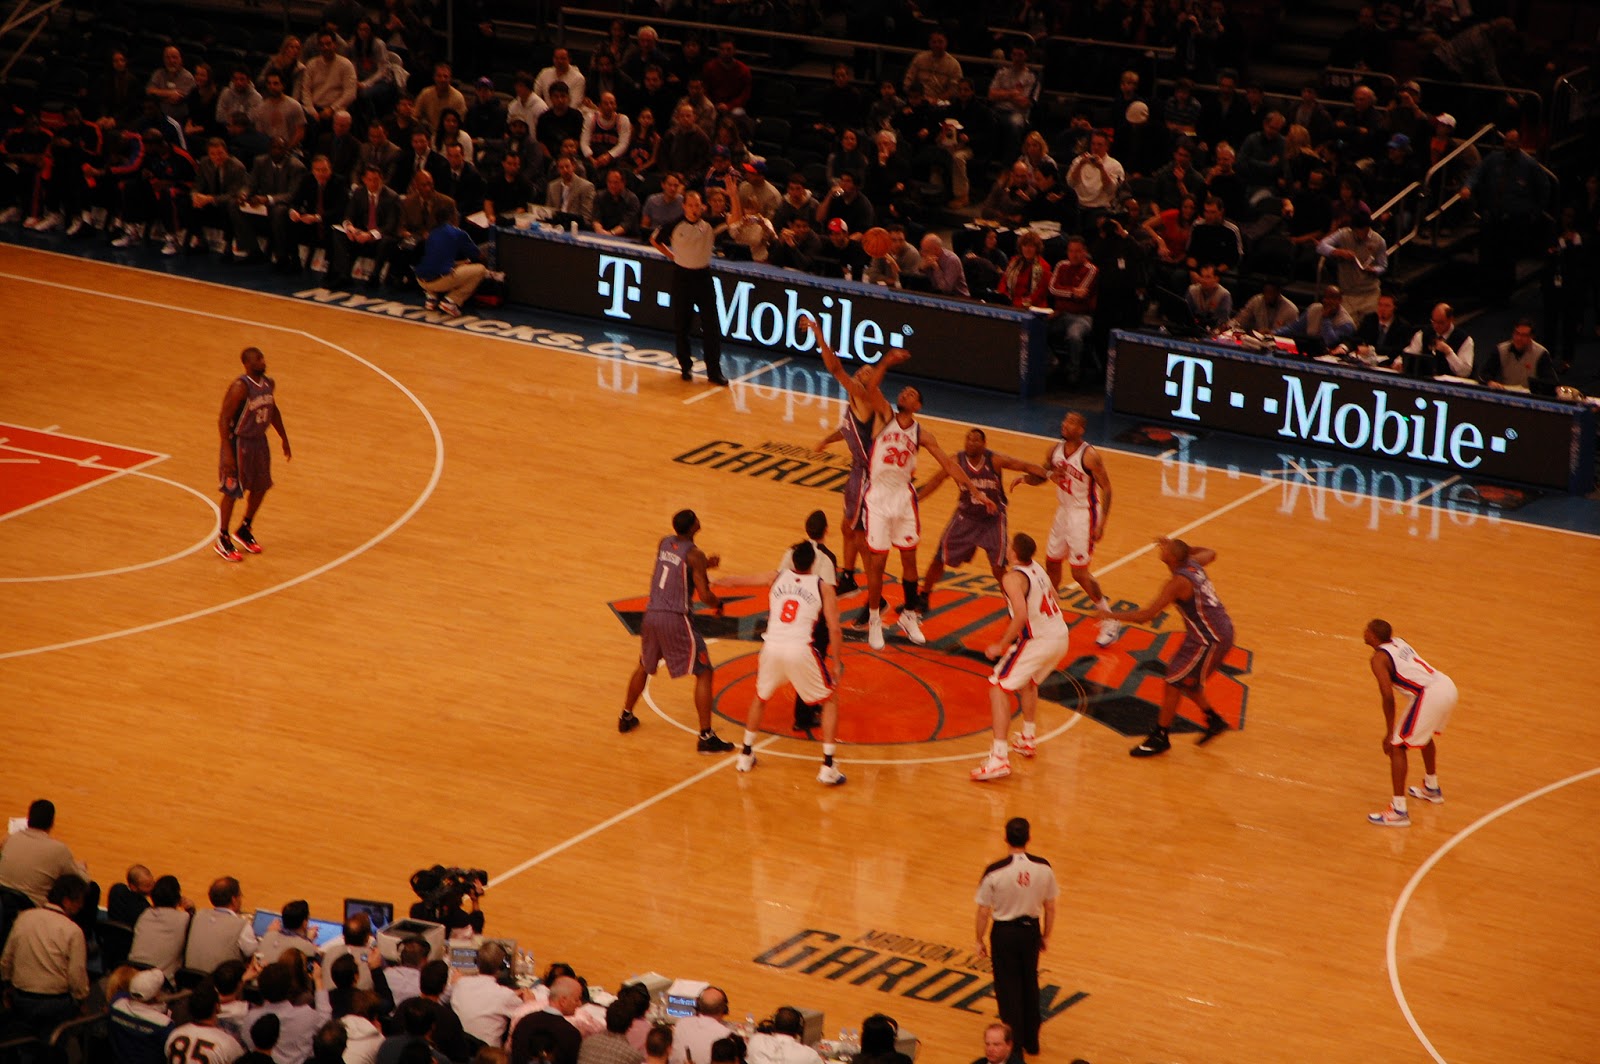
{"x": 426, "y": 663}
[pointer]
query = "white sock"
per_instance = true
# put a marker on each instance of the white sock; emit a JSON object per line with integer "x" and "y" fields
{"x": 997, "y": 749}
{"x": 1431, "y": 782}
{"x": 749, "y": 738}
{"x": 1028, "y": 727}
{"x": 875, "y": 616}
{"x": 829, "y": 749}
{"x": 1103, "y": 602}
{"x": 1399, "y": 803}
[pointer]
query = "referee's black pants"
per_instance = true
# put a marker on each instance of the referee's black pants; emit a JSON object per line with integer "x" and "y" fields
{"x": 693, "y": 289}
{"x": 1014, "y": 949}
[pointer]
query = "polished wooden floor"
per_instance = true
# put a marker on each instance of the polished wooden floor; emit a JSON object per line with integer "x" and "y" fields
{"x": 423, "y": 667}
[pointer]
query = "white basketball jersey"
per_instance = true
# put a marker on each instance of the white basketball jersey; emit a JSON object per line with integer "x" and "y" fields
{"x": 1410, "y": 671}
{"x": 894, "y": 456}
{"x": 793, "y": 606}
{"x": 1044, "y": 613}
{"x": 1078, "y": 491}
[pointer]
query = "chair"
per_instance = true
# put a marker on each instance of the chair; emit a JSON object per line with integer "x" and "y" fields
{"x": 779, "y": 169}
{"x": 12, "y": 902}
{"x": 116, "y": 939}
{"x": 772, "y": 131}
{"x": 816, "y": 176}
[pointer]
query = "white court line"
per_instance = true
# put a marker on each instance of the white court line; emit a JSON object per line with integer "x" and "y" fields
{"x": 50, "y": 430}
{"x": 211, "y": 534}
{"x": 20, "y": 461}
{"x": 1390, "y": 948}
{"x": 709, "y": 392}
{"x": 100, "y": 482}
{"x": 962, "y": 424}
{"x": 612, "y": 821}
{"x": 355, "y": 552}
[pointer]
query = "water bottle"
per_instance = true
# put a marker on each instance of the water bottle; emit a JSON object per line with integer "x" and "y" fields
{"x": 749, "y": 1025}
{"x": 849, "y": 273}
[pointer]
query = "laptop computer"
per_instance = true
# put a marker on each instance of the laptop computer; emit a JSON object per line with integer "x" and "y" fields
{"x": 381, "y": 913}
{"x": 322, "y": 932}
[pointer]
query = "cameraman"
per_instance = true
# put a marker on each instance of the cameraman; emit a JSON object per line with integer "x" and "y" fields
{"x": 449, "y": 896}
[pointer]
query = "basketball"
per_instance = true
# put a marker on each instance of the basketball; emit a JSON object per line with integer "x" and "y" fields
{"x": 875, "y": 242}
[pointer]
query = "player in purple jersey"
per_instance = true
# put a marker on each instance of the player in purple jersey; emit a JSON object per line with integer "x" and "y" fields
{"x": 857, "y": 429}
{"x": 972, "y": 526}
{"x": 246, "y": 466}
{"x": 1208, "y": 636}
{"x": 667, "y": 634}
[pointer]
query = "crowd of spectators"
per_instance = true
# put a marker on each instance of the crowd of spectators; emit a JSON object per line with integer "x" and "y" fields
{"x": 331, "y": 156}
{"x": 199, "y": 986}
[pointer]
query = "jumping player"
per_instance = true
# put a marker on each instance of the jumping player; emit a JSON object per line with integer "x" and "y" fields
{"x": 891, "y": 506}
{"x": 1025, "y": 655}
{"x": 1430, "y": 695}
{"x": 667, "y": 633}
{"x": 1207, "y": 638}
{"x": 247, "y": 409}
{"x": 857, "y": 428}
{"x": 797, "y": 599}
{"x": 1083, "y": 504}
{"x": 972, "y": 526}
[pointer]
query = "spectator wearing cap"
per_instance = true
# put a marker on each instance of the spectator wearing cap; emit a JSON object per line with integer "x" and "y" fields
{"x": 754, "y": 184}
{"x": 160, "y": 934}
{"x": 438, "y": 97}
{"x": 1361, "y": 259}
{"x": 563, "y": 72}
{"x": 1396, "y": 167}
{"x": 839, "y": 254}
{"x": 727, "y": 79}
{"x": 140, "y": 1021}
{"x": 45, "y": 958}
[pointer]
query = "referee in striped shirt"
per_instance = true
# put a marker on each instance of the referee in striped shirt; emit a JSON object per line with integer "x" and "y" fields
{"x": 1018, "y": 893}
{"x": 687, "y": 245}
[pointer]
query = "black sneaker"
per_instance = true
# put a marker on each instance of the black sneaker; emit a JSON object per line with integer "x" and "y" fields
{"x": 1215, "y": 726}
{"x": 719, "y": 380}
{"x": 847, "y": 583}
{"x": 1156, "y": 743}
{"x": 711, "y": 744}
{"x": 627, "y": 722}
{"x": 247, "y": 539}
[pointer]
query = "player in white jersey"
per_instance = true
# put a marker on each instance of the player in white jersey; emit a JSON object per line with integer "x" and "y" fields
{"x": 1083, "y": 503}
{"x": 891, "y": 508}
{"x": 1025, "y": 655}
{"x": 1425, "y": 696}
{"x": 797, "y": 598}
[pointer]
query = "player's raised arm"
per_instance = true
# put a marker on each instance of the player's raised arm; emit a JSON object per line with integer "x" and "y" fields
{"x": 931, "y": 485}
{"x": 1015, "y": 585}
{"x": 830, "y": 359}
{"x": 1202, "y": 556}
{"x": 928, "y": 443}
{"x": 1034, "y": 474}
{"x": 1174, "y": 589}
{"x": 698, "y": 565}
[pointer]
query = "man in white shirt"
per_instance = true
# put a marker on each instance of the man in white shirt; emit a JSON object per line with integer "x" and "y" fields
{"x": 526, "y": 104}
{"x": 692, "y": 1036}
{"x": 1095, "y": 176}
{"x": 405, "y": 979}
{"x": 782, "y": 1045}
{"x": 562, "y": 70}
{"x": 220, "y": 933}
{"x": 481, "y": 1003}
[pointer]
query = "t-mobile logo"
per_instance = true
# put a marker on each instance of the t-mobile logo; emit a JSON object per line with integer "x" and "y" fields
{"x": 619, "y": 282}
{"x": 1186, "y": 384}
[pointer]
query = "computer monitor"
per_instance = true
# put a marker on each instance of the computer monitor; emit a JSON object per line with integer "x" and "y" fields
{"x": 1177, "y": 313}
{"x": 381, "y": 913}
{"x": 263, "y": 921}
{"x": 465, "y": 958}
{"x": 323, "y": 932}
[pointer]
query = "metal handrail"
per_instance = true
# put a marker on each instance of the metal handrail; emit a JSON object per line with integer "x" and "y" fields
{"x": 1478, "y": 86}
{"x": 1365, "y": 77}
{"x": 1420, "y": 189}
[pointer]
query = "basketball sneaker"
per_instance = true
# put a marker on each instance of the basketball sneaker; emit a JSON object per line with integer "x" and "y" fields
{"x": 9, "y": 215}
{"x": 1110, "y": 632}
{"x": 830, "y": 776}
{"x": 247, "y": 539}
{"x": 1024, "y": 744}
{"x": 430, "y": 302}
{"x": 1427, "y": 794}
{"x": 911, "y": 624}
{"x": 992, "y": 769}
{"x": 1390, "y": 819}
{"x": 847, "y": 583}
{"x": 1215, "y": 726}
{"x": 746, "y": 762}
{"x": 226, "y": 550}
{"x": 627, "y": 722}
{"x": 875, "y": 634}
{"x": 711, "y": 743}
{"x": 1156, "y": 743}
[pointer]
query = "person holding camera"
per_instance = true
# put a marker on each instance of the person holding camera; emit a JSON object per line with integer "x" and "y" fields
{"x": 449, "y": 896}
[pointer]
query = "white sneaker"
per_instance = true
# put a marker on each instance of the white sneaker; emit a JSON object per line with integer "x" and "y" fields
{"x": 31, "y": 221}
{"x": 129, "y": 238}
{"x": 1024, "y": 744}
{"x": 48, "y": 222}
{"x": 1110, "y": 632}
{"x": 830, "y": 776}
{"x": 170, "y": 247}
{"x": 1390, "y": 819}
{"x": 76, "y": 227}
{"x": 746, "y": 762}
{"x": 875, "y": 634}
{"x": 911, "y": 625}
{"x": 992, "y": 769}
{"x": 1427, "y": 794}
{"x": 9, "y": 215}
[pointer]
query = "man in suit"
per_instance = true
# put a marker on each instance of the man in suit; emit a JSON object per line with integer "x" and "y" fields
{"x": 1382, "y": 335}
{"x": 419, "y": 157}
{"x": 379, "y": 151}
{"x": 317, "y": 207}
{"x": 274, "y": 179}
{"x": 369, "y": 229}
{"x": 422, "y": 208}
{"x": 462, "y": 183}
{"x": 219, "y": 181}
{"x": 570, "y": 196}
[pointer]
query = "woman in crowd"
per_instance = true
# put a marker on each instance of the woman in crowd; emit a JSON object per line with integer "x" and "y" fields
{"x": 286, "y": 64}
{"x": 848, "y": 156}
{"x": 1026, "y": 280}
